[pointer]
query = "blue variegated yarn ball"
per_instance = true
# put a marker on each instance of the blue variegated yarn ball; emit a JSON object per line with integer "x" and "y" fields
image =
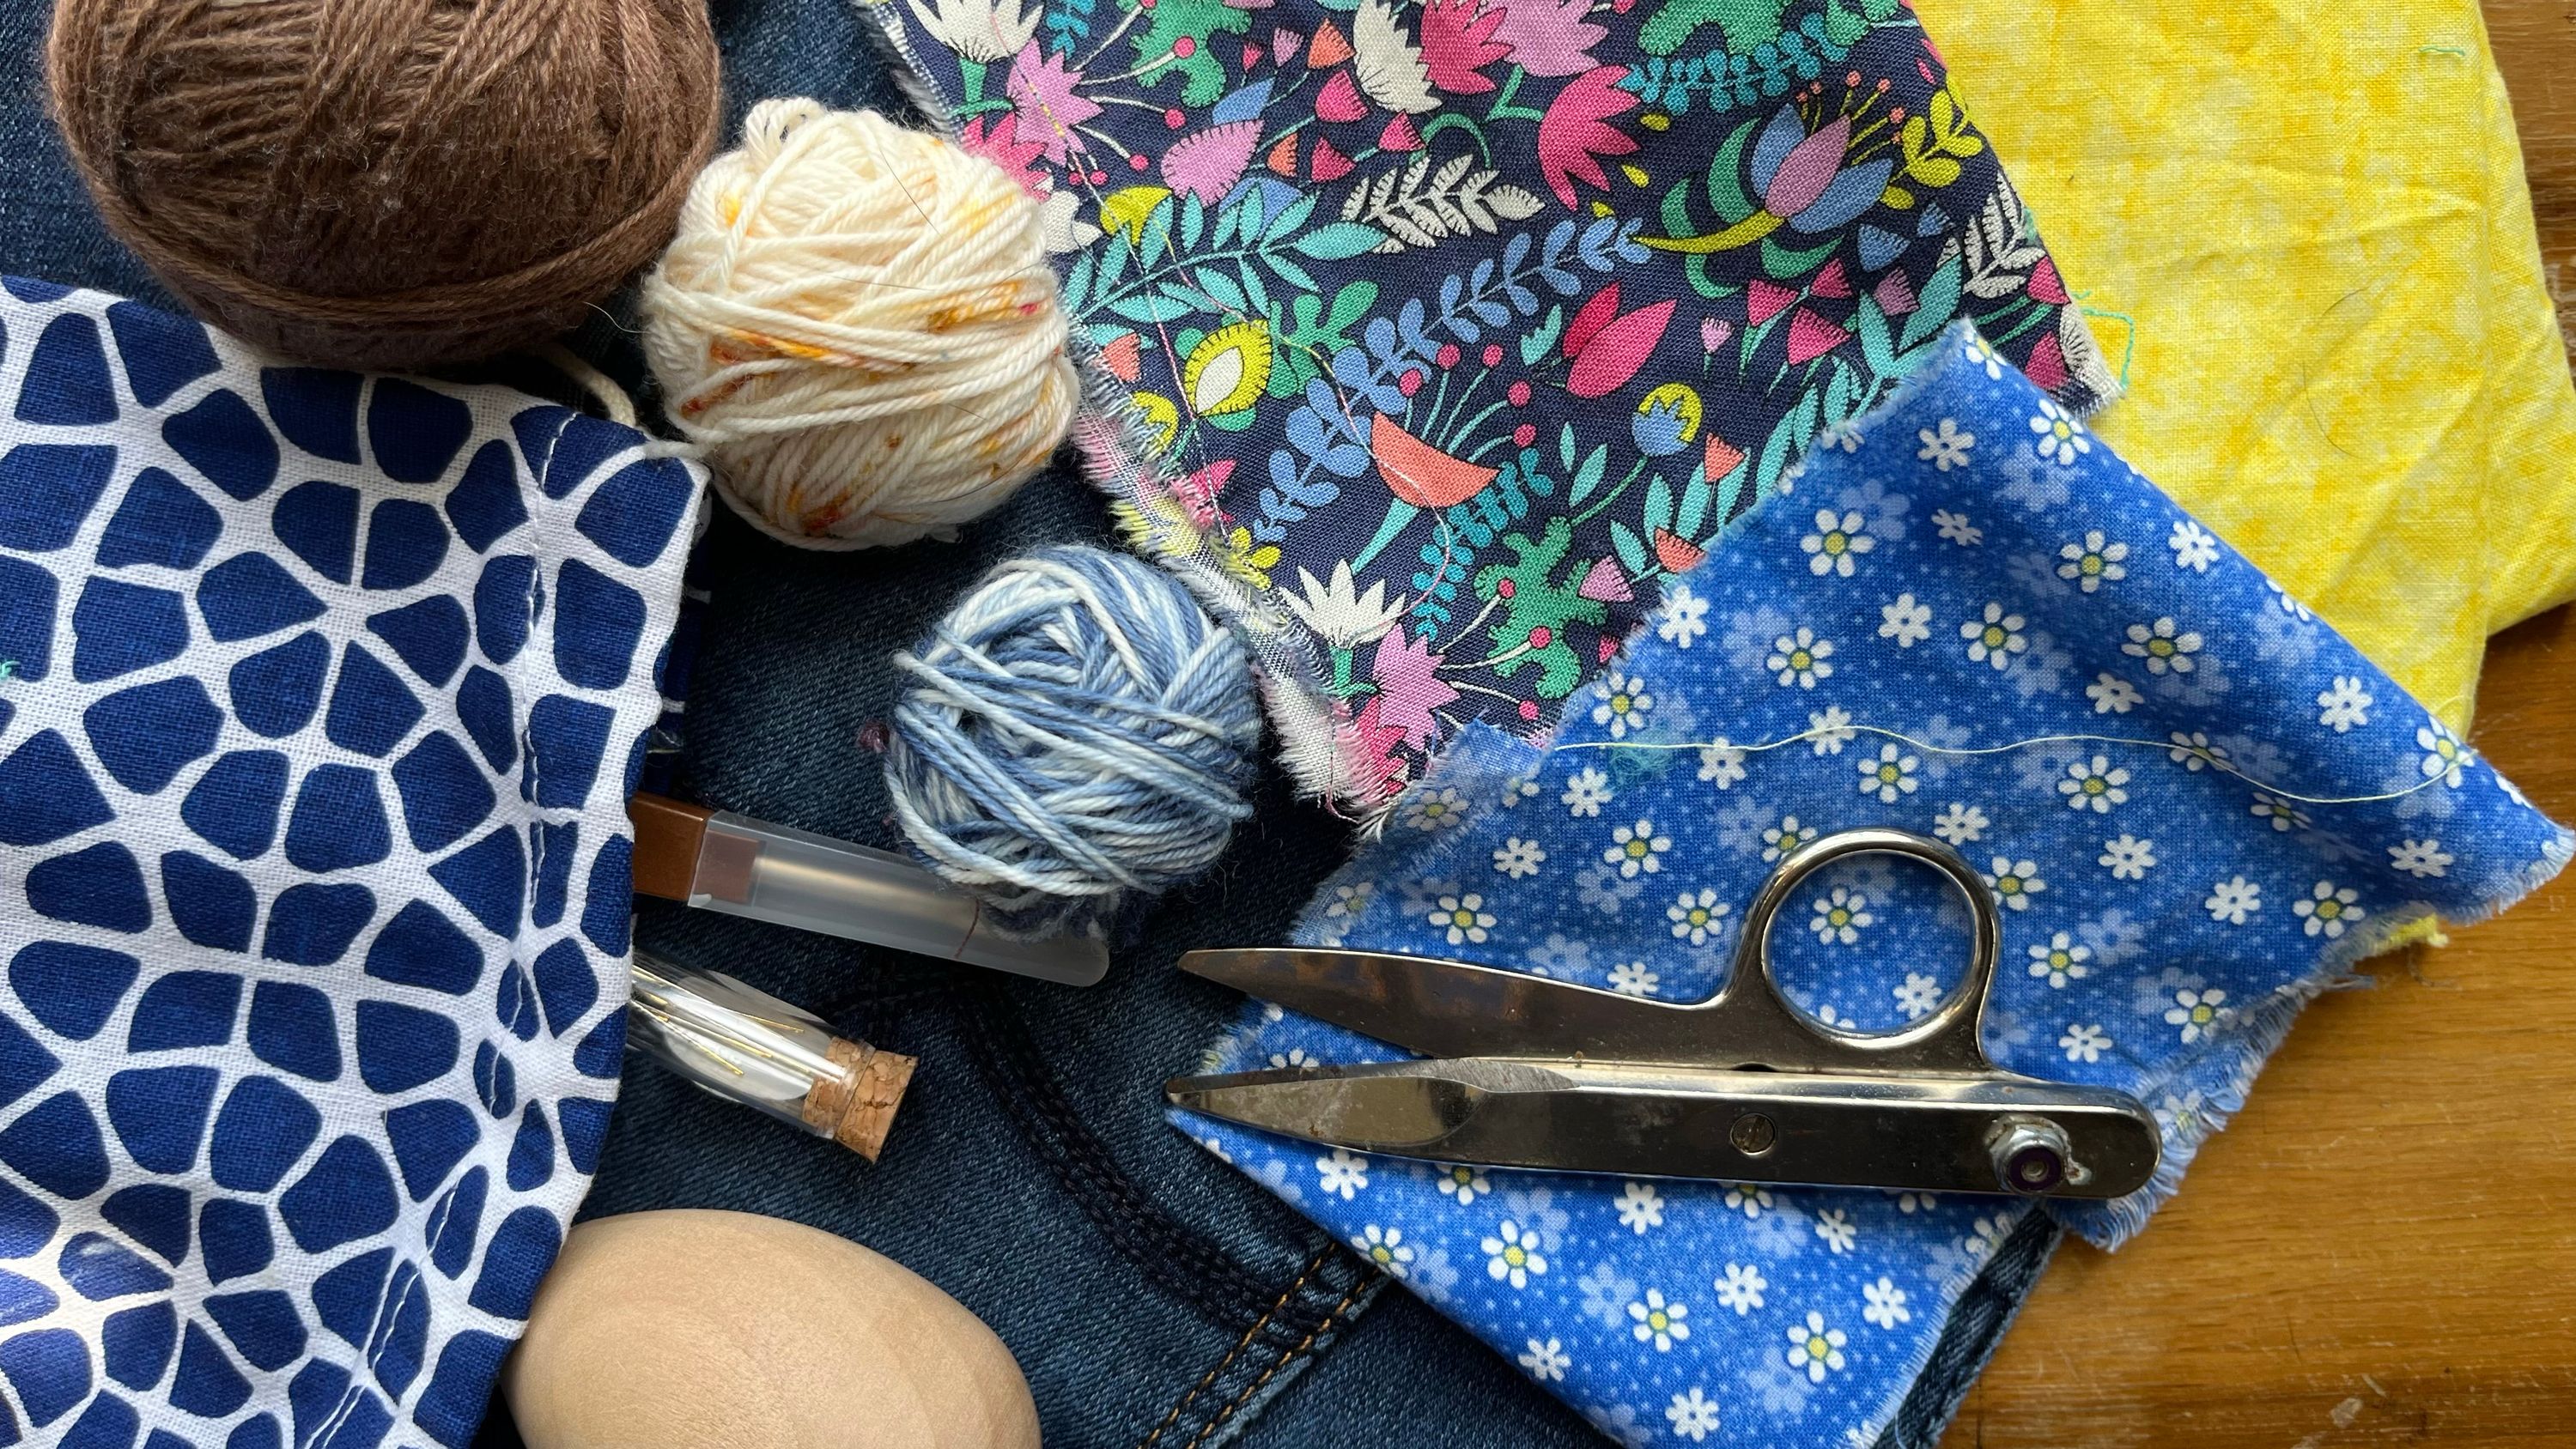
{"x": 1077, "y": 732}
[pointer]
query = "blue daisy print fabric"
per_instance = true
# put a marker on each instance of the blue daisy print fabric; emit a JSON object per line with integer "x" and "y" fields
{"x": 320, "y": 694}
{"x": 2193, "y": 804}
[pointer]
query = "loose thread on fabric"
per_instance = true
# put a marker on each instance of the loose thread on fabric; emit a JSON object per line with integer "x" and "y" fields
{"x": 2203, "y": 754}
{"x": 2129, "y": 346}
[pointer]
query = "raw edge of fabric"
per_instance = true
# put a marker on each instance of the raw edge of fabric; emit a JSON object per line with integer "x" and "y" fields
{"x": 2233, "y": 1061}
{"x": 1117, "y": 454}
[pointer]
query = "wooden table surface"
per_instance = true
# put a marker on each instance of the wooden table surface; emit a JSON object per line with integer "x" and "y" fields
{"x": 2382, "y": 1248}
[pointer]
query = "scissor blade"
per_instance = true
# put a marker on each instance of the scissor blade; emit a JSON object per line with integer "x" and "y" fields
{"x": 1894, "y": 1133}
{"x": 1454, "y": 1009}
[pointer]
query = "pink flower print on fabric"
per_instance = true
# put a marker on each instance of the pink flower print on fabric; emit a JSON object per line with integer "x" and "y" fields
{"x": 1505, "y": 307}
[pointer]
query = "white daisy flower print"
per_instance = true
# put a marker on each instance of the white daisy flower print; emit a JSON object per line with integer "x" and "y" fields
{"x": 1293, "y": 1057}
{"x": 1637, "y": 849}
{"x": 1800, "y": 658}
{"x": 1721, "y": 764}
{"x": 2328, "y": 909}
{"x": 1350, "y": 900}
{"x": 2344, "y": 706}
{"x": 1829, "y": 729}
{"x": 1586, "y": 791}
{"x": 2420, "y": 858}
{"x": 1464, "y": 1183}
{"x": 1693, "y": 1415}
{"x": 2111, "y": 694}
{"x": 1841, "y": 917}
{"x": 2289, "y": 603}
{"x": 1976, "y": 350}
{"x": 1749, "y": 1198}
{"x": 1623, "y": 706}
{"x": 1916, "y": 995}
{"x": 2197, "y": 1013}
{"x": 1386, "y": 1248}
{"x": 1886, "y": 1303}
{"x": 2233, "y": 900}
{"x": 1741, "y": 1288}
{"x": 1995, "y": 637}
{"x": 1835, "y": 1226}
{"x": 1890, "y": 776}
{"x": 1435, "y": 809}
{"x": 1684, "y": 617}
{"x": 1905, "y": 621}
{"x": 1785, "y": 837}
{"x": 2060, "y": 961}
{"x": 1946, "y": 446}
{"x": 2061, "y": 438}
{"x": 1657, "y": 1320}
{"x": 2093, "y": 561}
{"x": 2444, "y": 755}
{"x": 1512, "y": 1256}
{"x": 2164, "y": 645}
{"x": 1545, "y": 1361}
{"x": 1640, "y": 1207}
{"x": 1343, "y": 1174}
{"x": 1814, "y": 1348}
{"x": 2083, "y": 1043}
{"x": 2193, "y": 751}
{"x": 2282, "y": 814}
{"x": 1518, "y": 858}
{"x": 1519, "y": 788}
{"x": 1695, "y": 916}
{"x": 1633, "y": 978}
{"x": 1463, "y": 918}
{"x": 2094, "y": 785}
{"x": 1955, "y": 528}
{"x": 1839, "y": 539}
{"x": 2194, "y": 547}
{"x": 1960, "y": 823}
{"x": 2128, "y": 857}
{"x": 2014, "y": 882}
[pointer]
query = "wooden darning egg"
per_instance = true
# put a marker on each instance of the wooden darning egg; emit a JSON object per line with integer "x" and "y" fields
{"x": 712, "y": 1330}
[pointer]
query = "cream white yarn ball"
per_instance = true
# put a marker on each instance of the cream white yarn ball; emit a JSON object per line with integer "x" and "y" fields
{"x": 859, "y": 324}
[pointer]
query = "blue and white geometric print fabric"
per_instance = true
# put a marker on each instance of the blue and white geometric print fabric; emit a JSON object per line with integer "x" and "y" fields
{"x": 1970, "y": 620}
{"x": 321, "y": 693}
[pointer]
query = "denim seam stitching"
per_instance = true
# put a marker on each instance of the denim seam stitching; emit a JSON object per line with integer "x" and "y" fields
{"x": 1240, "y": 1344}
{"x": 1285, "y": 1358}
{"x": 1183, "y": 1262}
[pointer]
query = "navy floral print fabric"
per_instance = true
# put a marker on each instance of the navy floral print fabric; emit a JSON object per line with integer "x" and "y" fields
{"x": 1431, "y": 339}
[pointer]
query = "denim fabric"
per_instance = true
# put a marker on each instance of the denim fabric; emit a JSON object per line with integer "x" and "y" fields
{"x": 1153, "y": 1296}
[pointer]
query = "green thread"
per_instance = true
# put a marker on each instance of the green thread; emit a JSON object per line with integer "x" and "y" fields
{"x": 2128, "y": 348}
{"x": 2459, "y": 51}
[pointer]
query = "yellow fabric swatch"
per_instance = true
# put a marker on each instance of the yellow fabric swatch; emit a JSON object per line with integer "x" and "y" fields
{"x": 2315, "y": 234}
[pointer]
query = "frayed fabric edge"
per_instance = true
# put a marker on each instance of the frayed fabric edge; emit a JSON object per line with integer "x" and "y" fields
{"x": 2264, "y": 1027}
{"x": 1121, "y": 460}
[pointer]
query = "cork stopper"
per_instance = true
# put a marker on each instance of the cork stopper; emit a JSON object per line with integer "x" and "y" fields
{"x": 857, "y": 1109}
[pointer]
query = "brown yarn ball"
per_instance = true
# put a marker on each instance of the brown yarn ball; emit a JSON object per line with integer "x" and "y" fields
{"x": 388, "y": 183}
